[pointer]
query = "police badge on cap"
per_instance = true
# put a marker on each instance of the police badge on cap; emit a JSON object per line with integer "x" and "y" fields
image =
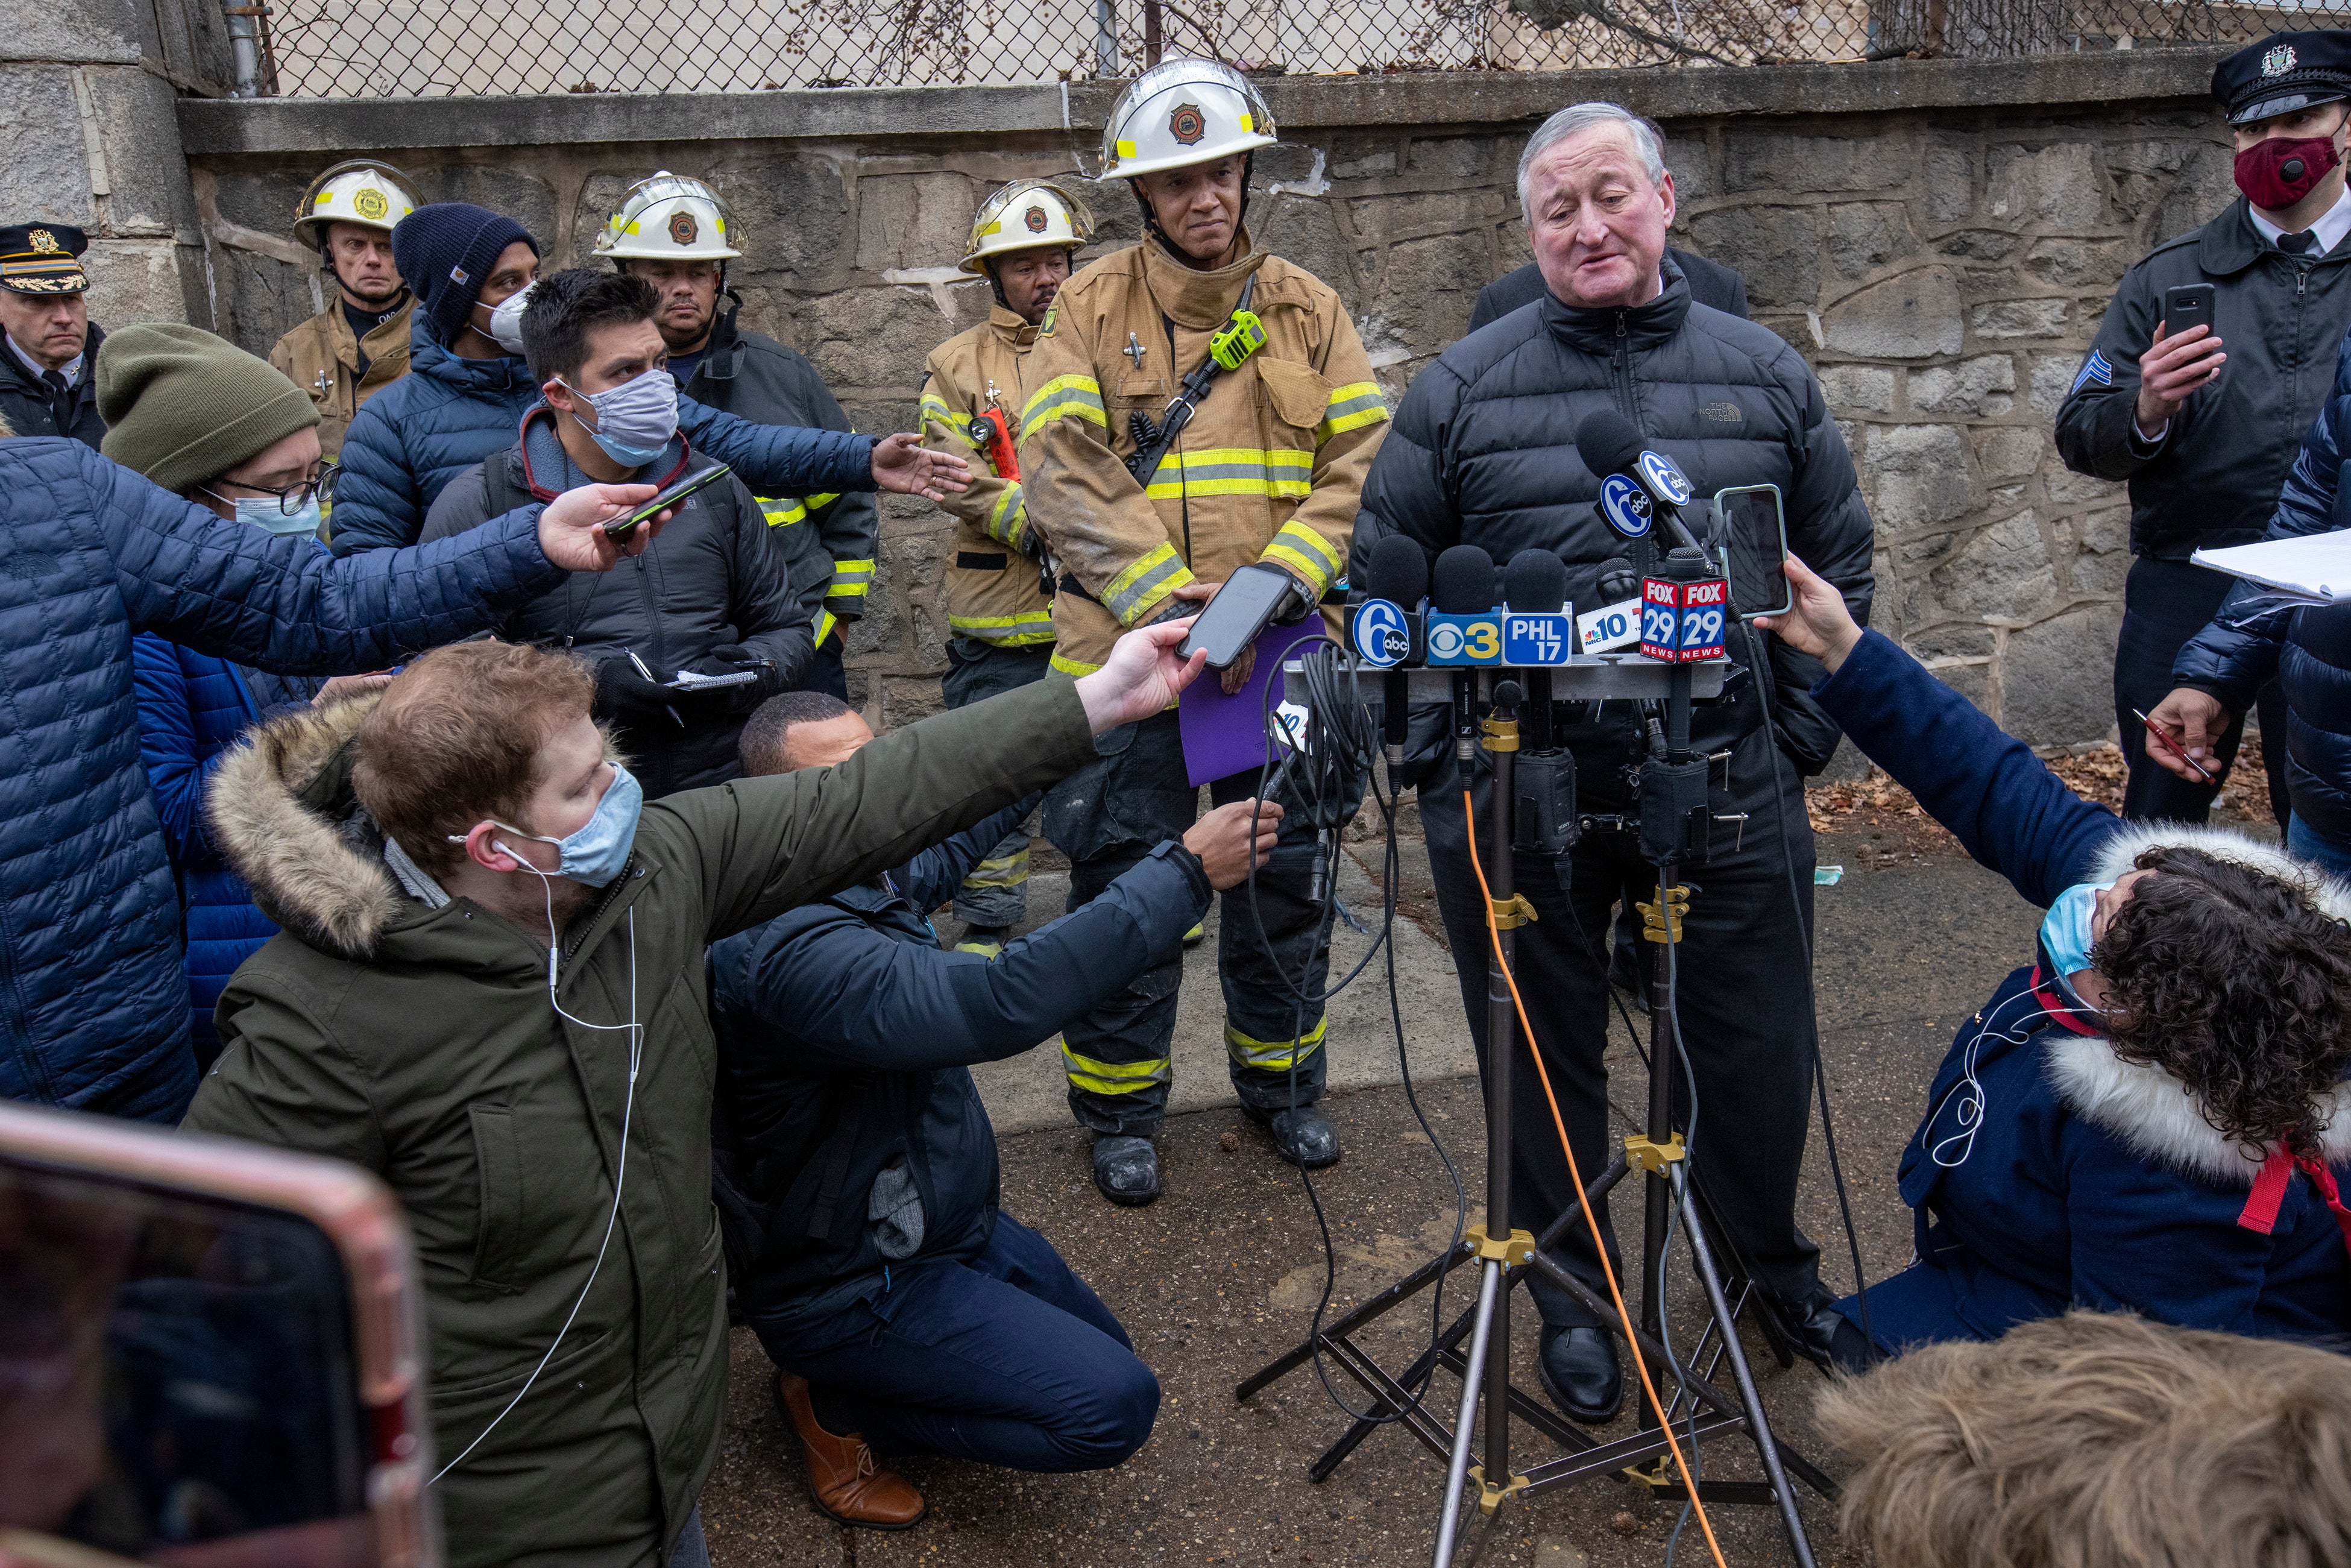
{"x": 43, "y": 258}
{"x": 2283, "y": 73}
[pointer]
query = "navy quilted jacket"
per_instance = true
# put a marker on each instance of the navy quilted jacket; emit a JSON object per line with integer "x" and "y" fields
{"x": 191, "y": 708}
{"x": 93, "y": 1007}
{"x": 2255, "y": 637}
{"x": 450, "y": 413}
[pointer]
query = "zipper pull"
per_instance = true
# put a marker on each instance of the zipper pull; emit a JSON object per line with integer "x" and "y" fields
{"x": 1621, "y": 328}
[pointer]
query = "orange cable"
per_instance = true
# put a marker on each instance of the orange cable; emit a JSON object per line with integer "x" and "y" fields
{"x": 1599, "y": 1246}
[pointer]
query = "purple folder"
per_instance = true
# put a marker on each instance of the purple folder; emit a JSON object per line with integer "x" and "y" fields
{"x": 1227, "y": 735}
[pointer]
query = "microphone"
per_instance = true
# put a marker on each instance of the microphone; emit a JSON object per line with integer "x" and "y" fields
{"x": 1535, "y": 582}
{"x": 1618, "y": 579}
{"x": 1398, "y": 574}
{"x": 1464, "y": 585}
{"x": 1637, "y": 483}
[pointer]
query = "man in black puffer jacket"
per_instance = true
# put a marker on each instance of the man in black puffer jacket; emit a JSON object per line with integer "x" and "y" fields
{"x": 1483, "y": 451}
{"x": 857, "y": 1169}
{"x": 710, "y": 598}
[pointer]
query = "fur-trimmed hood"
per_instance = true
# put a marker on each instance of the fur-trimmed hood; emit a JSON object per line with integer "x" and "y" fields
{"x": 281, "y": 811}
{"x": 2149, "y": 1110}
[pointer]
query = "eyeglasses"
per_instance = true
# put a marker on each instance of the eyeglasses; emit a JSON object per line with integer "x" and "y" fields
{"x": 292, "y": 498}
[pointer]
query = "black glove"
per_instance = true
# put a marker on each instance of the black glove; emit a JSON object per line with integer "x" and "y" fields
{"x": 1296, "y": 604}
{"x": 628, "y": 699}
{"x": 730, "y": 659}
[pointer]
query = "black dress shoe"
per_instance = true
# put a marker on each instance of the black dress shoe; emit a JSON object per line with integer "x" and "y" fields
{"x": 1580, "y": 1373}
{"x": 1811, "y": 1328}
{"x": 1303, "y": 1137}
{"x": 1126, "y": 1170}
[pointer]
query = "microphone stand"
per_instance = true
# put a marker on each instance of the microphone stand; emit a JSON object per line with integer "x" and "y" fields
{"x": 1674, "y": 823}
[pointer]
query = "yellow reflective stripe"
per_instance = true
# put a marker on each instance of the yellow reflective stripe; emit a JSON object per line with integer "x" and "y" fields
{"x": 781, "y": 513}
{"x": 816, "y": 503}
{"x": 1274, "y": 1055}
{"x": 1296, "y": 544}
{"x": 936, "y": 407}
{"x": 1061, "y": 664}
{"x": 1136, "y": 592}
{"x": 1009, "y": 521}
{"x": 825, "y": 622}
{"x": 1113, "y": 1077}
{"x": 1232, "y": 471}
{"x": 1352, "y": 406}
{"x": 850, "y": 579}
{"x": 1075, "y": 397}
{"x": 1010, "y": 872}
{"x": 1005, "y": 631}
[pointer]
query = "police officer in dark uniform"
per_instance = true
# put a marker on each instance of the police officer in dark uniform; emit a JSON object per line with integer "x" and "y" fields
{"x": 48, "y": 382}
{"x": 2204, "y": 421}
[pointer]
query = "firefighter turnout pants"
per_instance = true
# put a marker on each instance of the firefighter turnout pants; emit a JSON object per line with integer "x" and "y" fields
{"x": 996, "y": 894}
{"x": 1106, "y": 817}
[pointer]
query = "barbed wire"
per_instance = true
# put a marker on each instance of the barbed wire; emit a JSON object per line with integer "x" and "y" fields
{"x": 362, "y": 48}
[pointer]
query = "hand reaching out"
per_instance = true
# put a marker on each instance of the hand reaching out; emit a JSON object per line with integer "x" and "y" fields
{"x": 1820, "y": 625}
{"x": 1142, "y": 677}
{"x": 902, "y": 463}
{"x": 1231, "y": 839}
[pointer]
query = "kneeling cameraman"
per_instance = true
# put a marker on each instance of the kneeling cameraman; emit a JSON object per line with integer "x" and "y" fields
{"x": 1483, "y": 452}
{"x": 861, "y": 1176}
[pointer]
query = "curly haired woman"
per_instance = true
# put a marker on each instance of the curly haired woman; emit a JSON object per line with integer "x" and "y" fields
{"x": 2150, "y": 1116}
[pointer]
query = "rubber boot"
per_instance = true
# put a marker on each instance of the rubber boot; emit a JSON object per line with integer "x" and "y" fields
{"x": 1126, "y": 1170}
{"x": 1303, "y": 1137}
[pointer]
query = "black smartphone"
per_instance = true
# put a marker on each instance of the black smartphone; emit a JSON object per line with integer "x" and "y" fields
{"x": 1754, "y": 541}
{"x": 1240, "y": 610}
{"x": 2186, "y": 305}
{"x": 620, "y": 526}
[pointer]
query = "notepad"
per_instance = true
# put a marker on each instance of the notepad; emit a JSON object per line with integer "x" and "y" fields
{"x": 2314, "y": 568}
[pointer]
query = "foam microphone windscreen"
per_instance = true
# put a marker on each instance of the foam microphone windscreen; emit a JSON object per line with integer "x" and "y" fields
{"x": 1535, "y": 582}
{"x": 1608, "y": 443}
{"x": 1464, "y": 582}
{"x": 1618, "y": 579}
{"x": 1398, "y": 572}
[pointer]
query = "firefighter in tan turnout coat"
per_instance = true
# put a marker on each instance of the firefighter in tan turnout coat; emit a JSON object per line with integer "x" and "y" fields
{"x": 1024, "y": 241}
{"x": 359, "y": 344}
{"x": 1269, "y": 469}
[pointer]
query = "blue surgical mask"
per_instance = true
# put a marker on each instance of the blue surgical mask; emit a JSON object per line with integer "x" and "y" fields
{"x": 635, "y": 420}
{"x": 599, "y": 849}
{"x": 264, "y": 513}
{"x": 2065, "y": 937}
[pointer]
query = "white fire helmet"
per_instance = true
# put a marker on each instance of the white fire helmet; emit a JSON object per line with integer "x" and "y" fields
{"x": 1181, "y": 113}
{"x": 669, "y": 217}
{"x": 361, "y": 191}
{"x": 1027, "y": 214}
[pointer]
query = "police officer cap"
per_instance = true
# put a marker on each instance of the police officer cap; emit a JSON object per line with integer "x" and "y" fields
{"x": 43, "y": 258}
{"x": 2283, "y": 73}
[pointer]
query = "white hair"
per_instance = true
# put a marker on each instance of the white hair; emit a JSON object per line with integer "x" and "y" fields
{"x": 1580, "y": 117}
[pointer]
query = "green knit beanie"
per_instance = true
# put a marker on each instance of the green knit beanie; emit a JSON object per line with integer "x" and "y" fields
{"x": 182, "y": 406}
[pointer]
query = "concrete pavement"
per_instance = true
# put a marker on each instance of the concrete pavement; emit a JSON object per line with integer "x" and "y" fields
{"x": 1225, "y": 1272}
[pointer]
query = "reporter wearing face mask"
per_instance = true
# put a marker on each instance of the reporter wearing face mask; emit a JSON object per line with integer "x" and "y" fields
{"x": 2204, "y": 421}
{"x": 221, "y": 428}
{"x": 2150, "y": 1116}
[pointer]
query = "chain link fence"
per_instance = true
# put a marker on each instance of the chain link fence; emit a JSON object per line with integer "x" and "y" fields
{"x": 424, "y": 49}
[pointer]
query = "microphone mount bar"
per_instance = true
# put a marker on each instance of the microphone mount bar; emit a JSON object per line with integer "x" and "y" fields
{"x": 1585, "y": 677}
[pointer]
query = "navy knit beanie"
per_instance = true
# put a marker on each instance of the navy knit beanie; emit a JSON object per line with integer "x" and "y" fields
{"x": 444, "y": 253}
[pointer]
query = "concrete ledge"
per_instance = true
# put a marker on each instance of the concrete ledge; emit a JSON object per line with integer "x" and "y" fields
{"x": 879, "y": 115}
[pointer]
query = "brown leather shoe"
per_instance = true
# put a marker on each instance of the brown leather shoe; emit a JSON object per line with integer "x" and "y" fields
{"x": 844, "y": 1478}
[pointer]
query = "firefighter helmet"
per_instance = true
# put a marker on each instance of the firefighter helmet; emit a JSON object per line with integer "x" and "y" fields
{"x": 1181, "y": 113}
{"x": 1027, "y": 214}
{"x": 669, "y": 217}
{"x": 362, "y": 190}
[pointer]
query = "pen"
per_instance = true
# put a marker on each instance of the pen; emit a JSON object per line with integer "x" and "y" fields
{"x": 2156, "y": 730}
{"x": 648, "y": 675}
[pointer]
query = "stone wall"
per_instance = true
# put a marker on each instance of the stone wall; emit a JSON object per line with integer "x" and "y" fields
{"x": 1939, "y": 239}
{"x": 87, "y": 105}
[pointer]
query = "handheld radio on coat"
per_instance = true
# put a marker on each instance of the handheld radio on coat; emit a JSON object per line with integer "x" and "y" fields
{"x": 1388, "y": 629}
{"x": 1464, "y": 632}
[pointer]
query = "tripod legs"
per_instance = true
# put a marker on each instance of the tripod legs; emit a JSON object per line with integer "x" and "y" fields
{"x": 1456, "y": 1471}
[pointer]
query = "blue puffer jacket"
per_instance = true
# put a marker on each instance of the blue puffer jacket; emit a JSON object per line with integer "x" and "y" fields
{"x": 191, "y": 708}
{"x": 844, "y": 1036}
{"x": 93, "y": 1007}
{"x": 2253, "y": 638}
{"x": 2049, "y": 1172}
{"x": 449, "y": 413}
